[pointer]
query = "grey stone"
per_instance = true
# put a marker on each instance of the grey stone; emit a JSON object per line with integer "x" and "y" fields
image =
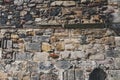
{"x": 71, "y": 74}
{"x": 117, "y": 63}
{"x": 40, "y": 56}
{"x": 78, "y": 74}
{"x": 97, "y": 57}
{"x": 77, "y": 55}
{"x": 114, "y": 75}
{"x": 33, "y": 47}
{"x": 65, "y": 65}
{"x": 65, "y": 54}
{"x": 65, "y": 75}
{"x": 9, "y": 44}
{"x": 23, "y": 56}
{"x": 117, "y": 41}
{"x": 18, "y": 2}
{"x": 32, "y": 66}
{"x": 32, "y": 5}
{"x": 49, "y": 76}
{"x": 113, "y": 53}
{"x": 45, "y": 65}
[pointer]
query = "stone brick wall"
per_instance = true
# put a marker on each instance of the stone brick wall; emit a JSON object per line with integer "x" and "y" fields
{"x": 59, "y": 54}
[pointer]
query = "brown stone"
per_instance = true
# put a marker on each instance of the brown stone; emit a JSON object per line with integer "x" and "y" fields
{"x": 60, "y": 46}
{"x": 26, "y": 78}
{"x": 46, "y": 47}
{"x": 53, "y": 39}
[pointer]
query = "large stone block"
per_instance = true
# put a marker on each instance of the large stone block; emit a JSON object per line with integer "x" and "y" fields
{"x": 46, "y": 47}
{"x": 117, "y": 41}
{"x": 40, "y": 56}
{"x": 71, "y": 74}
{"x": 114, "y": 75}
{"x": 79, "y": 74}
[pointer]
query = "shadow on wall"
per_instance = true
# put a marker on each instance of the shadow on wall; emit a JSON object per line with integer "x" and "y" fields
{"x": 97, "y": 74}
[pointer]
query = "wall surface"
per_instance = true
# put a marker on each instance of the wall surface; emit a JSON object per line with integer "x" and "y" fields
{"x": 59, "y": 54}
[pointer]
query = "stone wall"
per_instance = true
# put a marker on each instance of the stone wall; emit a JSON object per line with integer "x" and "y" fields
{"x": 59, "y": 54}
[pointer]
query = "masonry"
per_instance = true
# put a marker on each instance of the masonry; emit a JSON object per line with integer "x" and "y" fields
{"x": 59, "y": 40}
{"x": 58, "y": 54}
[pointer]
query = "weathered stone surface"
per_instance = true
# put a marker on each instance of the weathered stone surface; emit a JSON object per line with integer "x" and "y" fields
{"x": 45, "y": 66}
{"x": 79, "y": 74}
{"x": 117, "y": 41}
{"x": 62, "y": 58}
{"x": 114, "y": 75}
{"x": 97, "y": 57}
{"x": 117, "y": 63}
{"x": 60, "y": 46}
{"x": 40, "y": 56}
{"x": 65, "y": 65}
{"x": 77, "y": 55}
{"x": 113, "y": 53}
{"x": 33, "y": 47}
{"x": 65, "y": 54}
{"x": 23, "y": 56}
{"x": 46, "y": 47}
{"x": 49, "y": 76}
{"x": 65, "y": 75}
{"x": 71, "y": 74}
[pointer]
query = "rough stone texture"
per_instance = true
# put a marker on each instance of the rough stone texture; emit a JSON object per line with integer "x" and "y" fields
{"x": 58, "y": 54}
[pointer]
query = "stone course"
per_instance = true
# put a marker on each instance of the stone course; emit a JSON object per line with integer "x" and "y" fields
{"x": 68, "y": 54}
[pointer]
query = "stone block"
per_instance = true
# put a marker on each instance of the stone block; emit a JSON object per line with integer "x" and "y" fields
{"x": 65, "y": 75}
{"x": 77, "y": 55}
{"x": 60, "y": 46}
{"x": 71, "y": 74}
{"x": 113, "y": 75}
{"x": 65, "y": 54}
{"x": 40, "y": 56}
{"x": 78, "y": 74}
{"x": 97, "y": 57}
{"x": 33, "y": 47}
{"x": 46, "y": 47}
{"x": 117, "y": 41}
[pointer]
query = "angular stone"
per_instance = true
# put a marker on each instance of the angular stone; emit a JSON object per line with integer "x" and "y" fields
{"x": 40, "y": 56}
{"x": 49, "y": 76}
{"x": 65, "y": 75}
{"x": 26, "y": 78}
{"x": 33, "y": 47}
{"x": 18, "y": 2}
{"x": 46, "y": 47}
{"x": 117, "y": 41}
{"x": 114, "y": 75}
{"x": 78, "y": 74}
{"x": 113, "y": 53}
{"x": 32, "y": 66}
{"x": 109, "y": 33}
{"x": 23, "y": 56}
{"x": 60, "y": 46}
{"x": 91, "y": 51}
{"x": 109, "y": 40}
{"x": 117, "y": 63}
{"x": 45, "y": 66}
{"x": 9, "y": 44}
{"x": 71, "y": 74}
{"x": 77, "y": 55}
{"x": 97, "y": 57}
{"x": 65, "y": 65}
{"x": 65, "y": 54}
{"x": 69, "y": 47}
